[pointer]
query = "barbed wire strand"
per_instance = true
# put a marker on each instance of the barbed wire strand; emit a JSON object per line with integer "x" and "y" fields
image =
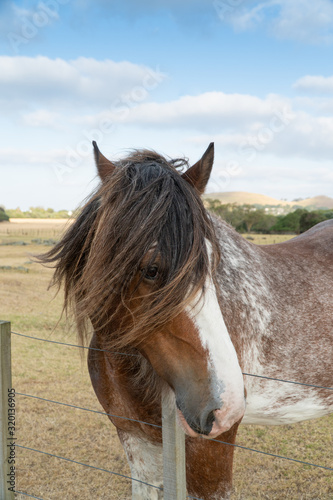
{"x": 38, "y": 498}
{"x": 289, "y": 381}
{"x": 147, "y": 423}
{"x": 87, "y": 465}
{"x": 272, "y": 454}
{"x": 216, "y": 440}
{"x": 75, "y": 345}
{"x": 87, "y": 409}
{"x": 27, "y": 494}
{"x": 157, "y": 487}
{"x": 137, "y": 355}
{"x": 92, "y": 467}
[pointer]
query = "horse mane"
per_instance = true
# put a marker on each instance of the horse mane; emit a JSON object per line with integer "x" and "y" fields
{"x": 144, "y": 204}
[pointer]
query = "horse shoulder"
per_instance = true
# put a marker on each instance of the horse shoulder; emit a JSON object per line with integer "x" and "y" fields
{"x": 277, "y": 304}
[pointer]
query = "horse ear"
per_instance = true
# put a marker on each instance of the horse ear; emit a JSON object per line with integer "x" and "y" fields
{"x": 198, "y": 174}
{"x": 104, "y": 166}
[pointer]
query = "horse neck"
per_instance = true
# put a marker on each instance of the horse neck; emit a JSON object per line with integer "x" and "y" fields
{"x": 136, "y": 375}
{"x": 242, "y": 284}
{"x": 126, "y": 385}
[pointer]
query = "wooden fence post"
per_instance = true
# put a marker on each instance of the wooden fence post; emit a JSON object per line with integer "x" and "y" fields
{"x": 6, "y": 473}
{"x": 174, "y": 470}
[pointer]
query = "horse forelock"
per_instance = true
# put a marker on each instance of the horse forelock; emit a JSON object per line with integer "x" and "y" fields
{"x": 144, "y": 207}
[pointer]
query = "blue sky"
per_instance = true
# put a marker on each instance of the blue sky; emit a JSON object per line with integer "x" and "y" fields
{"x": 254, "y": 77}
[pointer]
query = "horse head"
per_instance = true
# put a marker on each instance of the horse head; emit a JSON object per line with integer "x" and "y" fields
{"x": 139, "y": 262}
{"x": 190, "y": 348}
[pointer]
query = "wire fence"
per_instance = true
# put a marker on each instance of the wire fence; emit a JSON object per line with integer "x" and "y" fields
{"x": 137, "y": 355}
{"x": 21, "y": 394}
{"x": 154, "y": 425}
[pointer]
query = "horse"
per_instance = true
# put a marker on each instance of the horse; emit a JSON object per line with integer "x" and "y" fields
{"x": 181, "y": 306}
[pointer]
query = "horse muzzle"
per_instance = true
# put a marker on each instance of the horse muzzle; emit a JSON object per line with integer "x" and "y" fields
{"x": 211, "y": 422}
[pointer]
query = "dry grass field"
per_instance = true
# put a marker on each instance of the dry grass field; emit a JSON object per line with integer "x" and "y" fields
{"x": 58, "y": 373}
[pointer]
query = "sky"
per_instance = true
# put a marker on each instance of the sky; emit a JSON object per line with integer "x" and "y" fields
{"x": 255, "y": 78}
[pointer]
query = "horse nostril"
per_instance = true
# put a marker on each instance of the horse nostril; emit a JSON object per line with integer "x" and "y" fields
{"x": 202, "y": 426}
{"x": 208, "y": 423}
{"x": 205, "y": 424}
{"x": 202, "y": 423}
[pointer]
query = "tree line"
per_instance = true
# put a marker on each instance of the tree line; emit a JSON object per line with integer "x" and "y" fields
{"x": 244, "y": 218}
{"x": 248, "y": 218}
{"x": 3, "y": 215}
{"x": 36, "y": 213}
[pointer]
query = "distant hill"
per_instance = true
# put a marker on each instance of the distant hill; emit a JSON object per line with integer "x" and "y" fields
{"x": 317, "y": 202}
{"x": 242, "y": 198}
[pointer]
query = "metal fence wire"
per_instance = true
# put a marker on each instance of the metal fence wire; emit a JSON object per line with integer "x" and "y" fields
{"x": 142, "y": 422}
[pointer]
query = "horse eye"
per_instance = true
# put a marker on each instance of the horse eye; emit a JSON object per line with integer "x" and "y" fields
{"x": 151, "y": 273}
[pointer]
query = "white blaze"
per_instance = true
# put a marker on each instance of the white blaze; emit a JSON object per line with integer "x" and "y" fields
{"x": 226, "y": 374}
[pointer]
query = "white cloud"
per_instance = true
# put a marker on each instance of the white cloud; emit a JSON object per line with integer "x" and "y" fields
{"x": 249, "y": 131}
{"x": 307, "y": 21}
{"x": 14, "y": 157}
{"x": 42, "y": 118}
{"x": 20, "y": 25}
{"x": 315, "y": 84}
{"x": 245, "y": 126}
{"x": 10, "y": 15}
{"x": 243, "y": 18}
{"x": 304, "y": 137}
{"x": 211, "y": 110}
{"x": 83, "y": 82}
